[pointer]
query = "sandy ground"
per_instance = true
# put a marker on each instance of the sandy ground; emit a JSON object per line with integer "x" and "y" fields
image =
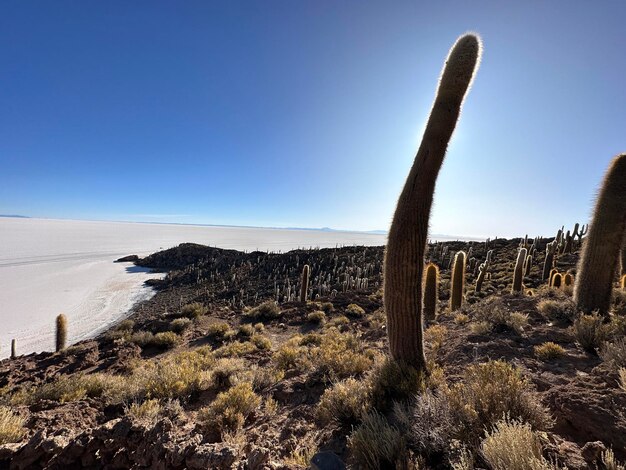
{"x": 53, "y": 266}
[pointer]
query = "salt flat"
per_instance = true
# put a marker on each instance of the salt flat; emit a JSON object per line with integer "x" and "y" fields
{"x": 52, "y": 266}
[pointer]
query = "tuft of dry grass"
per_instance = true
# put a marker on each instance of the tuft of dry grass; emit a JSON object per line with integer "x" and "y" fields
{"x": 217, "y": 329}
{"x": 344, "y": 403}
{"x": 180, "y": 325}
{"x": 590, "y": 331}
{"x": 231, "y": 408}
{"x": 266, "y": 311}
{"x": 548, "y": 351}
{"x": 614, "y": 354}
{"x": 318, "y": 317}
{"x": 355, "y": 310}
{"x": 435, "y": 336}
{"x": 392, "y": 381}
{"x": 559, "y": 310}
{"x": 490, "y": 391}
{"x": 11, "y": 426}
{"x": 609, "y": 461}
{"x": 194, "y": 310}
{"x": 262, "y": 343}
{"x": 146, "y": 412}
{"x": 375, "y": 444}
{"x": 513, "y": 445}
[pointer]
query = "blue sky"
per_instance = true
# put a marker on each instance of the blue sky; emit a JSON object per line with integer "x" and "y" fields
{"x": 293, "y": 113}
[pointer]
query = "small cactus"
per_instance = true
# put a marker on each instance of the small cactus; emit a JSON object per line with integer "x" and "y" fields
{"x": 600, "y": 254}
{"x": 568, "y": 279}
{"x": 458, "y": 281}
{"x": 13, "y": 354}
{"x": 556, "y": 281}
{"x": 61, "y": 332}
{"x": 518, "y": 274}
{"x": 431, "y": 291}
{"x": 622, "y": 282}
{"x": 305, "y": 283}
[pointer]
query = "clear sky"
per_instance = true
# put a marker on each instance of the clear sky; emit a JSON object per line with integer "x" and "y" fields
{"x": 308, "y": 114}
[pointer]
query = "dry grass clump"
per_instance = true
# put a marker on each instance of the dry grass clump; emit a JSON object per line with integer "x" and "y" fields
{"x": 618, "y": 302}
{"x": 341, "y": 322}
{"x": 265, "y": 377}
{"x": 123, "y": 330}
{"x": 194, "y": 310}
{"x": 289, "y": 355}
{"x": 340, "y": 355}
{"x": 246, "y": 330}
{"x": 261, "y": 342}
{"x": 179, "y": 325}
{"x": 496, "y": 314}
{"x": 609, "y": 461}
{"x": 461, "y": 319}
{"x": 227, "y": 372}
{"x": 376, "y": 444}
{"x": 394, "y": 381}
{"x": 622, "y": 378}
{"x": 231, "y": 408}
{"x": 548, "y": 351}
{"x": 218, "y": 329}
{"x": 327, "y": 307}
{"x": 163, "y": 340}
{"x": 11, "y": 426}
{"x": 355, "y": 310}
{"x": 72, "y": 388}
{"x": 147, "y": 411}
{"x": 590, "y": 331}
{"x": 488, "y": 392}
{"x": 318, "y": 316}
{"x": 266, "y": 311}
{"x": 614, "y": 353}
{"x": 235, "y": 349}
{"x": 344, "y": 403}
{"x": 559, "y": 310}
{"x": 513, "y": 445}
{"x": 435, "y": 335}
{"x": 429, "y": 423}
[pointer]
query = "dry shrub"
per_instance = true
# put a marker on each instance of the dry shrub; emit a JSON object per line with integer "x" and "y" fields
{"x": 609, "y": 461}
{"x": 558, "y": 310}
{"x": 246, "y": 330}
{"x": 461, "y": 319}
{"x": 619, "y": 302}
{"x": 435, "y": 335}
{"x": 288, "y": 356}
{"x": 146, "y": 412}
{"x": 261, "y": 342}
{"x": 590, "y": 331}
{"x": 318, "y": 317}
{"x": 165, "y": 340}
{"x": 344, "y": 403}
{"x": 266, "y": 311}
{"x": 217, "y": 329}
{"x": 548, "y": 351}
{"x": 266, "y": 377}
{"x": 194, "y": 310}
{"x": 340, "y": 322}
{"x": 235, "y": 349}
{"x": 622, "y": 378}
{"x": 431, "y": 425}
{"x": 394, "y": 381}
{"x": 355, "y": 310}
{"x": 490, "y": 391}
{"x": 340, "y": 356}
{"x": 227, "y": 372}
{"x": 72, "y": 388}
{"x": 180, "y": 324}
{"x": 614, "y": 354}
{"x": 494, "y": 312}
{"x": 375, "y": 444}
{"x": 11, "y": 426}
{"x": 513, "y": 445}
{"x": 231, "y": 408}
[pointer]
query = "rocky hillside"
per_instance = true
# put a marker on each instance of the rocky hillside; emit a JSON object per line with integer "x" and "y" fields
{"x": 226, "y": 367}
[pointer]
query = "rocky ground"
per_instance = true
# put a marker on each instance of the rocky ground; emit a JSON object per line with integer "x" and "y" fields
{"x": 225, "y": 368}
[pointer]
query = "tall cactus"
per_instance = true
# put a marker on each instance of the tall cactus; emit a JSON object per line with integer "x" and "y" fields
{"x": 600, "y": 254}
{"x": 431, "y": 291}
{"x": 404, "y": 257}
{"x": 482, "y": 272}
{"x": 458, "y": 281}
{"x": 518, "y": 274}
{"x": 61, "y": 332}
{"x": 13, "y": 348}
{"x": 549, "y": 261}
{"x": 305, "y": 283}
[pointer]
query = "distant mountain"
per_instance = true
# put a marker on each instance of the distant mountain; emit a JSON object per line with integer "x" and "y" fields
{"x": 15, "y": 216}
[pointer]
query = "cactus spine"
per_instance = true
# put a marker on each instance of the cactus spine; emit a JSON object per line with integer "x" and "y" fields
{"x": 404, "y": 257}
{"x": 305, "y": 283}
{"x": 458, "y": 281}
{"x": 61, "y": 332}
{"x": 13, "y": 355}
{"x": 518, "y": 274}
{"x": 600, "y": 253}
{"x": 431, "y": 291}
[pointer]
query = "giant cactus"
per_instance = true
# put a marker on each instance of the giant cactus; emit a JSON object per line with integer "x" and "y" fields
{"x": 457, "y": 287}
{"x": 601, "y": 251}
{"x": 61, "y": 336}
{"x": 404, "y": 257}
{"x": 518, "y": 274}
{"x": 305, "y": 283}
